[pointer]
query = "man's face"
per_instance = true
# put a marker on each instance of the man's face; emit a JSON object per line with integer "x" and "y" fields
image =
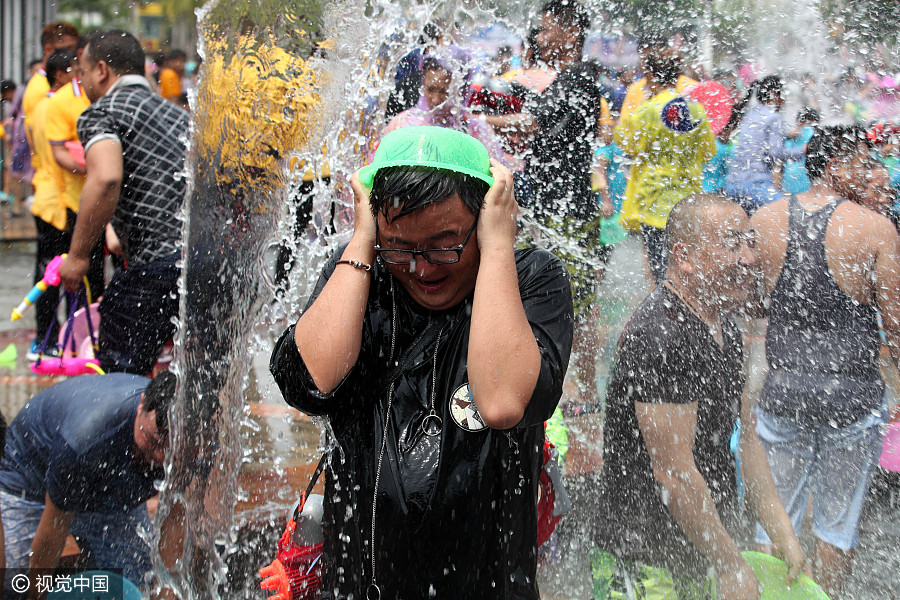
{"x": 150, "y": 445}
{"x": 850, "y": 175}
{"x": 441, "y": 224}
{"x": 88, "y": 74}
{"x": 436, "y": 87}
{"x": 723, "y": 256}
{"x": 553, "y": 39}
{"x": 66, "y": 42}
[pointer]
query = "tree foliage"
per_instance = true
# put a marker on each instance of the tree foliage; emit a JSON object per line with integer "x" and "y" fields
{"x": 110, "y": 11}
{"x": 865, "y": 22}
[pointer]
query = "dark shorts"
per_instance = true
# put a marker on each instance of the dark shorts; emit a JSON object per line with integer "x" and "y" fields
{"x": 136, "y": 316}
{"x": 51, "y": 242}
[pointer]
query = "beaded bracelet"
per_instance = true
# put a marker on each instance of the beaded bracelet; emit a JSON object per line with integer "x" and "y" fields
{"x": 355, "y": 263}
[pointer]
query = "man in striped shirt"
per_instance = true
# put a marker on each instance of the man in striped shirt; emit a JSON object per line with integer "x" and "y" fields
{"x": 134, "y": 143}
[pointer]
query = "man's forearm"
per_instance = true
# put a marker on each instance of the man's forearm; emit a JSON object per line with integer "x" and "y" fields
{"x": 504, "y": 361}
{"x": 329, "y": 333}
{"x": 64, "y": 159}
{"x": 46, "y": 549}
{"x": 692, "y": 507}
{"x": 49, "y": 539}
{"x": 99, "y": 199}
{"x": 761, "y": 490}
{"x": 516, "y": 123}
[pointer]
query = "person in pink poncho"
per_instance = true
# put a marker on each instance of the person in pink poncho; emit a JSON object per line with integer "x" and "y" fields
{"x": 439, "y": 107}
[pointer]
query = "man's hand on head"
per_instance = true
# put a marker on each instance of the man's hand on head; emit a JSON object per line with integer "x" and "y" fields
{"x": 497, "y": 221}
{"x": 364, "y": 221}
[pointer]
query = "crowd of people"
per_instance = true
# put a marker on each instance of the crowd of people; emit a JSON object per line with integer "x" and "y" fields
{"x": 108, "y": 154}
{"x": 455, "y": 333}
{"x": 740, "y": 216}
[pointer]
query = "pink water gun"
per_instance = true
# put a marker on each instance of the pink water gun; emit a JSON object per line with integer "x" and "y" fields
{"x": 51, "y": 278}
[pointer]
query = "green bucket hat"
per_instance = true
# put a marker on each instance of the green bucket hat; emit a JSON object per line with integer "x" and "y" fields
{"x": 427, "y": 146}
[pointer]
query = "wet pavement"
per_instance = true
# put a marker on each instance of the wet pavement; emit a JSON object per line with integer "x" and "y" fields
{"x": 281, "y": 445}
{"x": 17, "y": 383}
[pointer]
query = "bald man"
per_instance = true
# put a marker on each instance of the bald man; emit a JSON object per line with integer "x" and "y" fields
{"x": 669, "y": 507}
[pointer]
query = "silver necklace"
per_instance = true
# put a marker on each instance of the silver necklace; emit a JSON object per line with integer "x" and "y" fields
{"x": 432, "y": 416}
{"x": 373, "y": 592}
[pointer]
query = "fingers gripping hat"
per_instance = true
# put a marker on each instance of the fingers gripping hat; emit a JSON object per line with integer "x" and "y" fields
{"x": 427, "y": 146}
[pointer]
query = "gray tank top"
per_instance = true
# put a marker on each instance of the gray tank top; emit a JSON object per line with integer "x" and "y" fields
{"x": 822, "y": 346}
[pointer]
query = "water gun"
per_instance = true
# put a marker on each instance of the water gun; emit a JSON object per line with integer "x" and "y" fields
{"x": 296, "y": 572}
{"x": 51, "y": 278}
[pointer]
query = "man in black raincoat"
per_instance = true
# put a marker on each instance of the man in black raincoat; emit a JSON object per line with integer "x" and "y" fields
{"x": 435, "y": 351}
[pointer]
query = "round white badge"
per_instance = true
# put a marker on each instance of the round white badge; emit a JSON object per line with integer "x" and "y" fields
{"x": 463, "y": 410}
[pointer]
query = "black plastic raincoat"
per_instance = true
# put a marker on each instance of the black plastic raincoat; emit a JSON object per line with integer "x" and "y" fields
{"x": 456, "y": 513}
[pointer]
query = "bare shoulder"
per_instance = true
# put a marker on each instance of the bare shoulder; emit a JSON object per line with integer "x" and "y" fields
{"x": 770, "y": 222}
{"x": 865, "y": 223}
{"x": 770, "y": 215}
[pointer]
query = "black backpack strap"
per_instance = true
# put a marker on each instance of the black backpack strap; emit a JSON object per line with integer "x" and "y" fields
{"x": 309, "y": 488}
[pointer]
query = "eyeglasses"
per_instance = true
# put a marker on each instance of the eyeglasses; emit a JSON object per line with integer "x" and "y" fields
{"x": 436, "y": 256}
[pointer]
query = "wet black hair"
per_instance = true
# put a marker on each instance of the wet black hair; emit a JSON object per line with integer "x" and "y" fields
{"x": 7, "y": 85}
{"x": 120, "y": 50}
{"x": 85, "y": 38}
{"x": 57, "y": 63}
{"x": 829, "y": 143}
{"x": 158, "y": 396}
{"x": 176, "y": 54}
{"x": 433, "y": 64}
{"x": 759, "y": 88}
{"x": 663, "y": 69}
{"x": 768, "y": 87}
{"x": 808, "y": 114}
{"x": 649, "y": 39}
{"x": 569, "y": 13}
{"x": 412, "y": 188}
{"x": 430, "y": 33}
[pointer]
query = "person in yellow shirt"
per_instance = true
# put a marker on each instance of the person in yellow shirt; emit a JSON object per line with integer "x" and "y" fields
{"x": 170, "y": 75}
{"x": 670, "y": 140}
{"x": 54, "y": 36}
{"x": 49, "y": 208}
{"x": 259, "y": 106}
{"x": 62, "y": 113}
{"x": 638, "y": 92}
{"x": 60, "y": 126}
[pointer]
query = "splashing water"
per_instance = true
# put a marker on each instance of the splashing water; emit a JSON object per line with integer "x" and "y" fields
{"x": 271, "y": 115}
